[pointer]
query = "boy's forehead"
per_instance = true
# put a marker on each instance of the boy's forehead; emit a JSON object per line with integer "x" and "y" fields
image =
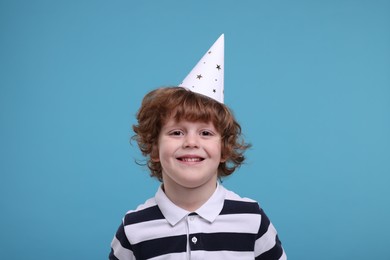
{"x": 192, "y": 114}
{"x": 172, "y": 120}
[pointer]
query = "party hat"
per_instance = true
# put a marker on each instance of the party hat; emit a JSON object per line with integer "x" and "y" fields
{"x": 207, "y": 76}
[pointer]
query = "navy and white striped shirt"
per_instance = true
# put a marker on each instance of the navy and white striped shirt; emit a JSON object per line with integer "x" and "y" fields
{"x": 225, "y": 227}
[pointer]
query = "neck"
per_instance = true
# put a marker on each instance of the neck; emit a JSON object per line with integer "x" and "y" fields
{"x": 189, "y": 199}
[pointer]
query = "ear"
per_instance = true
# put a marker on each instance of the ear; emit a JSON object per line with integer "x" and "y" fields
{"x": 223, "y": 151}
{"x": 223, "y": 158}
{"x": 154, "y": 154}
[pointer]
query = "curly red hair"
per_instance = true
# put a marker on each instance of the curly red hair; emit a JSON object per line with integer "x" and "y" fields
{"x": 177, "y": 102}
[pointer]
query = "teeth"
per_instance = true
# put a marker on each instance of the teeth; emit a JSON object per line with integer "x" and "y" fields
{"x": 191, "y": 159}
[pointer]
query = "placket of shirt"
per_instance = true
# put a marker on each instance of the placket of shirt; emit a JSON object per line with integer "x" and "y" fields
{"x": 194, "y": 241}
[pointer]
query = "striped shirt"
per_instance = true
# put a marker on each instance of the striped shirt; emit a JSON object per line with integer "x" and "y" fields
{"x": 225, "y": 227}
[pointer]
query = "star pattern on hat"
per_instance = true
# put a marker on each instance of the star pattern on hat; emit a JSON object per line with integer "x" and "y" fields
{"x": 207, "y": 77}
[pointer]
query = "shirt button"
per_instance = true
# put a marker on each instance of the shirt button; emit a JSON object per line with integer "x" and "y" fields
{"x": 194, "y": 240}
{"x": 192, "y": 218}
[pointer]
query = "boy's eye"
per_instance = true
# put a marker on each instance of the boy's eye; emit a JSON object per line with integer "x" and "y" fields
{"x": 176, "y": 132}
{"x": 206, "y": 133}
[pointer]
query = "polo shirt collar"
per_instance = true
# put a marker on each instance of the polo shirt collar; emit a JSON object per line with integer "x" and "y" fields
{"x": 208, "y": 211}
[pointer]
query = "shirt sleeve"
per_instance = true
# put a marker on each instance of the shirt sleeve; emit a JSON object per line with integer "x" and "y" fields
{"x": 120, "y": 246}
{"x": 268, "y": 245}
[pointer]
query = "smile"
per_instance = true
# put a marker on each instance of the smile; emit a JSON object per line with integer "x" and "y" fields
{"x": 190, "y": 159}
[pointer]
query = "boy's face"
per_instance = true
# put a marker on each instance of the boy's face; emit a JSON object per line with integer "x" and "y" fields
{"x": 189, "y": 153}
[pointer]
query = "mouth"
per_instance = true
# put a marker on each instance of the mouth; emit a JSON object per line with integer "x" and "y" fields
{"x": 191, "y": 159}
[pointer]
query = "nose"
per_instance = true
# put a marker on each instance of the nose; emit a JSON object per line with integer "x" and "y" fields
{"x": 191, "y": 141}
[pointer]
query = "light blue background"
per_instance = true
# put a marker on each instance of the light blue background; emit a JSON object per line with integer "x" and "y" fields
{"x": 309, "y": 81}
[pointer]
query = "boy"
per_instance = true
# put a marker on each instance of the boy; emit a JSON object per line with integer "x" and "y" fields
{"x": 191, "y": 140}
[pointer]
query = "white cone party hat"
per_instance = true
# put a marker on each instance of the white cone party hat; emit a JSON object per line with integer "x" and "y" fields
{"x": 207, "y": 76}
